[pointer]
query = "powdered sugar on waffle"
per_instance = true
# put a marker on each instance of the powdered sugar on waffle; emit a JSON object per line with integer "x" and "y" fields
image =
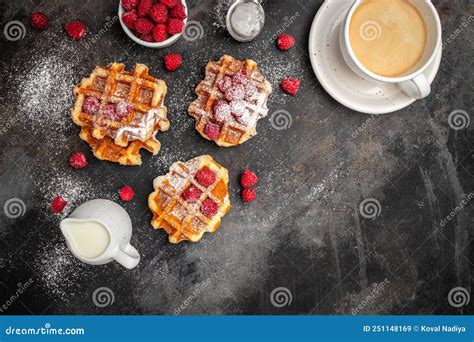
{"x": 141, "y": 126}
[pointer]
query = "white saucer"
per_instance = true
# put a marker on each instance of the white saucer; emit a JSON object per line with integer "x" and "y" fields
{"x": 338, "y": 79}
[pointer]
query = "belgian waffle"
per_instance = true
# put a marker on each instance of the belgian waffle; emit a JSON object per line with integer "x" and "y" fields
{"x": 181, "y": 219}
{"x": 120, "y": 112}
{"x": 232, "y": 130}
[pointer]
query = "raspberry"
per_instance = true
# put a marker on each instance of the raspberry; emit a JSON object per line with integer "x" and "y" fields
{"x": 225, "y": 83}
{"x": 143, "y": 25}
{"x": 221, "y": 111}
{"x": 168, "y": 3}
{"x": 39, "y": 20}
{"x": 144, "y": 7}
{"x": 178, "y": 12}
{"x": 192, "y": 194}
{"x": 58, "y": 204}
{"x": 109, "y": 112}
{"x": 129, "y": 19}
{"x": 251, "y": 92}
{"x": 235, "y": 93}
{"x": 290, "y": 85}
{"x": 76, "y": 29}
{"x": 159, "y": 13}
{"x": 159, "y": 33}
{"x": 129, "y": 4}
{"x": 175, "y": 26}
{"x": 248, "y": 179}
{"x": 212, "y": 131}
{"x": 285, "y": 42}
{"x": 126, "y": 193}
{"x": 123, "y": 109}
{"x": 78, "y": 160}
{"x": 240, "y": 77}
{"x": 209, "y": 207}
{"x": 173, "y": 61}
{"x": 147, "y": 38}
{"x": 205, "y": 177}
{"x": 248, "y": 195}
{"x": 90, "y": 105}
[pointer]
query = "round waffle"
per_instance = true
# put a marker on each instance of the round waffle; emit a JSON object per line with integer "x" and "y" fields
{"x": 120, "y": 112}
{"x": 250, "y": 97}
{"x": 183, "y": 219}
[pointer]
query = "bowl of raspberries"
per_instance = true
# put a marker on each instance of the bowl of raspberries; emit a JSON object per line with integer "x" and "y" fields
{"x": 153, "y": 23}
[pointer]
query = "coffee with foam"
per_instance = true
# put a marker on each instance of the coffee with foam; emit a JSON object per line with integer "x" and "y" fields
{"x": 388, "y": 37}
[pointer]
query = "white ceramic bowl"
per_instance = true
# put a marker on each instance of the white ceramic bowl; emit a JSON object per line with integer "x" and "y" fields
{"x": 163, "y": 44}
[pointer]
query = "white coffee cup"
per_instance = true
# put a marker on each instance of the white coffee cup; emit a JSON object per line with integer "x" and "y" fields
{"x": 414, "y": 84}
{"x": 99, "y": 231}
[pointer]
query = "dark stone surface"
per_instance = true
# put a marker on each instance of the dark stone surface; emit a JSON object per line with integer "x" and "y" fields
{"x": 304, "y": 232}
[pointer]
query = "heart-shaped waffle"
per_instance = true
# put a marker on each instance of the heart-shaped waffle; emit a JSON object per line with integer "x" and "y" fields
{"x": 120, "y": 112}
{"x": 191, "y": 199}
{"x": 231, "y": 99}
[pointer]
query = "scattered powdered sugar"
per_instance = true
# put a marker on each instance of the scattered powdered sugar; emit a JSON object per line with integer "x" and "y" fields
{"x": 42, "y": 88}
{"x": 74, "y": 187}
{"x": 220, "y": 12}
{"x": 59, "y": 270}
{"x": 45, "y": 93}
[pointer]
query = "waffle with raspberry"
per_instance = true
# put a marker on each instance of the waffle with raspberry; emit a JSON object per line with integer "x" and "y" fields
{"x": 191, "y": 199}
{"x": 120, "y": 112}
{"x": 231, "y": 99}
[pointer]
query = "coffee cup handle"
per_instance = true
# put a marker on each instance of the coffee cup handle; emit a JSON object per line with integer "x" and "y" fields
{"x": 418, "y": 87}
{"x": 128, "y": 257}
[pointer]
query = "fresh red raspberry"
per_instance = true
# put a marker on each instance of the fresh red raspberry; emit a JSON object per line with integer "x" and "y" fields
{"x": 290, "y": 85}
{"x": 78, "y": 160}
{"x": 129, "y": 19}
{"x": 90, "y": 105}
{"x": 129, "y": 4}
{"x": 126, "y": 193}
{"x": 173, "y": 61}
{"x": 222, "y": 111}
{"x": 192, "y": 194}
{"x": 248, "y": 179}
{"x": 251, "y": 92}
{"x": 209, "y": 207}
{"x": 235, "y": 93}
{"x": 205, "y": 177}
{"x": 159, "y": 13}
{"x": 224, "y": 83}
{"x": 144, "y": 7}
{"x": 143, "y": 25}
{"x": 58, "y": 204}
{"x": 168, "y": 3}
{"x": 285, "y": 42}
{"x": 212, "y": 131}
{"x": 76, "y": 29}
{"x": 178, "y": 12}
{"x": 147, "y": 38}
{"x": 175, "y": 26}
{"x": 248, "y": 195}
{"x": 240, "y": 77}
{"x": 110, "y": 112}
{"x": 159, "y": 33}
{"x": 39, "y": 20}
